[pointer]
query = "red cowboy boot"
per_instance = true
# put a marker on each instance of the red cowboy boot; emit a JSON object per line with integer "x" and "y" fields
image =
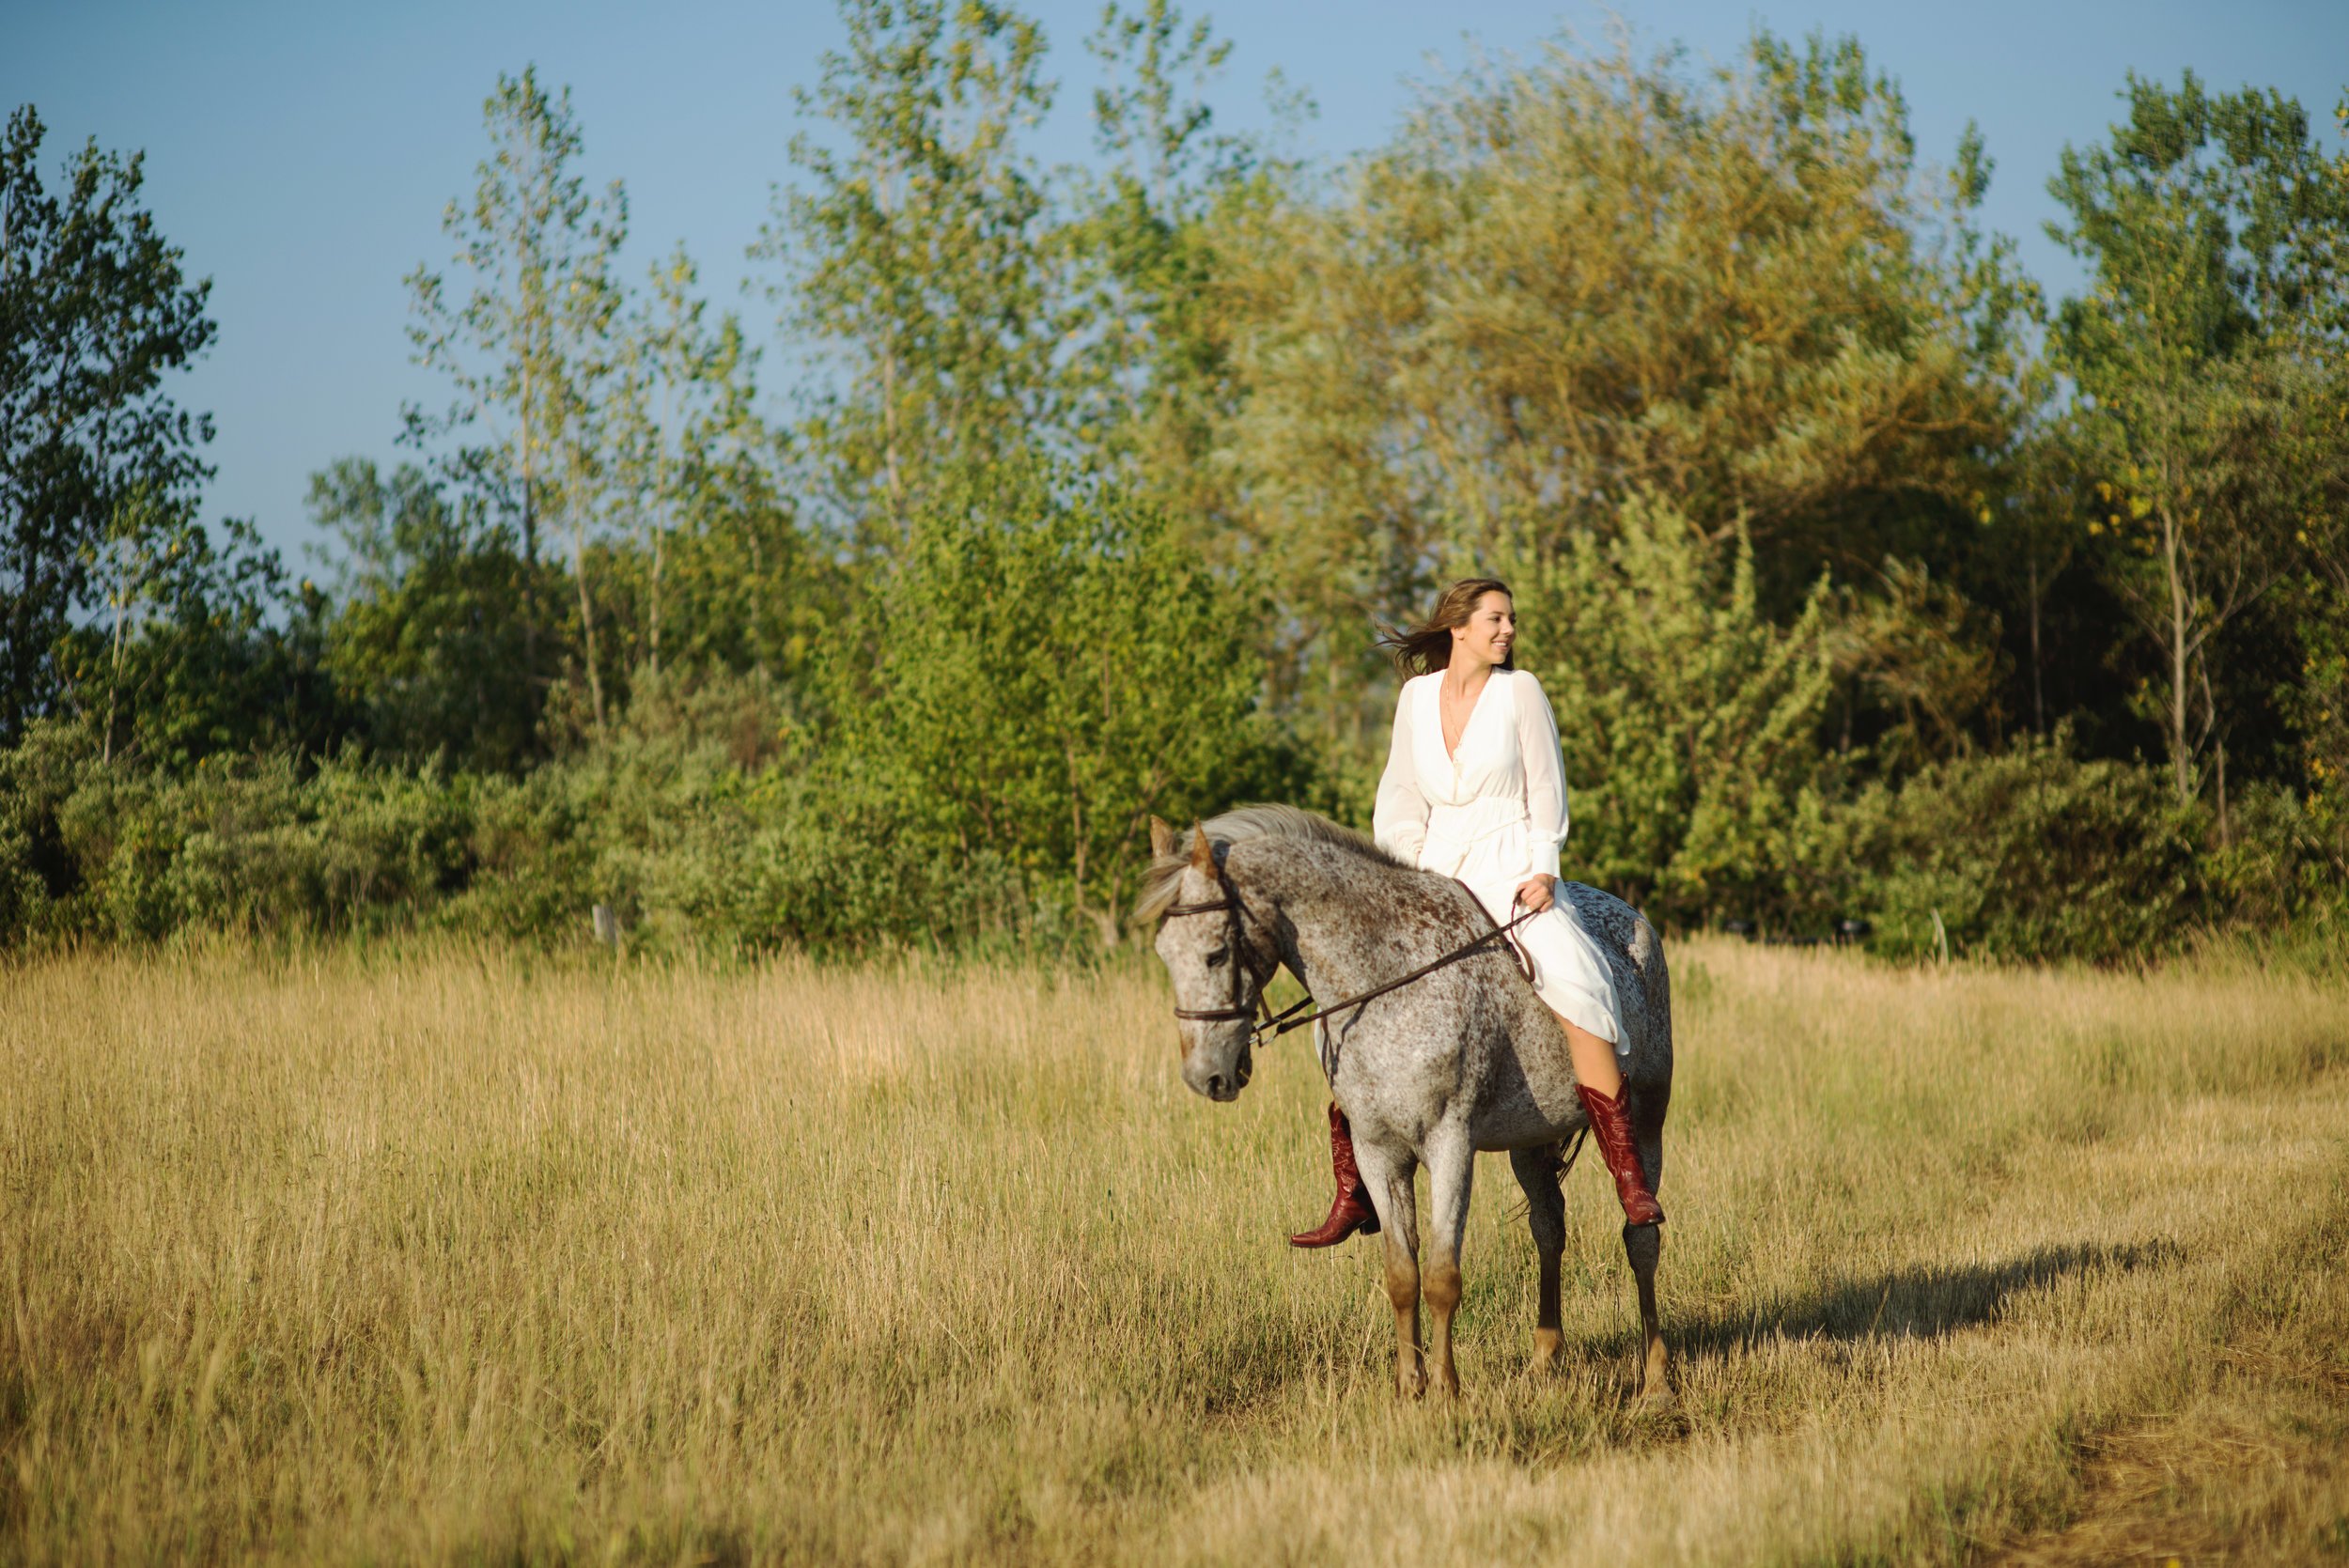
{"x": 1612, "y": 1129}
{"x": 1350, "y": 1210}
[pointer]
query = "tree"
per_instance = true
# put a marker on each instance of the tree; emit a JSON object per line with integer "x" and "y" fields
{"x": 1692, "y": 738}
{"x": 1154, "y": 358}
{"x": 94, "y": 311}
{"x": 2317, "y": 703}
{"x": 1574, "y": 281}
{"x": 529, "y": 344}
{"x": 680, "y": 421}
{"x": 203, "y": 647}
{"x": 2207, "y": 221}
{"x": 423, "y": 639}
{"x": 918, "y": 252}
{"x": 1053, "y": 666}
{"x": 2029, "y": 540}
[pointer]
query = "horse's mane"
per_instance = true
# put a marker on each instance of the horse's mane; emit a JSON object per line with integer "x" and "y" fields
{"x": 1245, "y": 825}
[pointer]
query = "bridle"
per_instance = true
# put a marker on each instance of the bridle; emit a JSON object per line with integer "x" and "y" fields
{"x": 1272, "y": 1026}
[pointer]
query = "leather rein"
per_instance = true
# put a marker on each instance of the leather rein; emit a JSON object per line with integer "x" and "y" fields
{"x": 1272, "y": 1026}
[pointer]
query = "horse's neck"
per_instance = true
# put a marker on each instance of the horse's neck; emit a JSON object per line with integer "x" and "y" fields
{"x": 1323, "y": 934}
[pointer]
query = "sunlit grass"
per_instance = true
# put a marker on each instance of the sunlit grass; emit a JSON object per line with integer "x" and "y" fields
{"x": 465, "y": 1257}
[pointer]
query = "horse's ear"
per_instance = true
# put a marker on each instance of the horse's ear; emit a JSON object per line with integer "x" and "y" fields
{"x": 1201, "y": 852}
{"x": 1161, "y": 839}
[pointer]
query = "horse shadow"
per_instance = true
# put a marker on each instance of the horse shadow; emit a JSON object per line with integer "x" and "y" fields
{"x": 1922, "y": 1302}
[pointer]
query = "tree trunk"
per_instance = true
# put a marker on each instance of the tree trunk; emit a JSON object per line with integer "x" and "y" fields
{"x": 889, "y": 445}
{"x": 530, "y": 552}
{"x": 2181, "y": 772}
{"x": 1076, "y": 830}
{"x": 2038, "y": 698}
{"x": 2226, "y": 834}
{"x": 575, "y": 505}
{"x": 658, "y": 512}
{"x": 652, "y": 639}
{"x": 587, "y": 621}
{"x": 114, "y": 673}
{"x": 2218, "y": 751}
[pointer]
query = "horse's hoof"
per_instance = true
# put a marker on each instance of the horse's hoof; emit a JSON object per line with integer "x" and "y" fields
{"x": 1654, "y": 1396}
{"x": 1547, "y": 1346}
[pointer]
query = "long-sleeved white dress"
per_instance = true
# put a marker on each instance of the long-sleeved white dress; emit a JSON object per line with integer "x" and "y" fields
{"x": 1491, "y": 814}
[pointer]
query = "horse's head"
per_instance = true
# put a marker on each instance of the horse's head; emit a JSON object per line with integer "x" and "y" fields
{"x": 1205, "y": 940}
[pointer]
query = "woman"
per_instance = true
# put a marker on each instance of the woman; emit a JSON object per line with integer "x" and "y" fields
{"x": 1475, "y": 788}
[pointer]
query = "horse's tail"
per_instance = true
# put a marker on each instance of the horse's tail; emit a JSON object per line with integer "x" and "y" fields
{"x": 1650, "y": 1096}
{"x": 1646, "y": 953}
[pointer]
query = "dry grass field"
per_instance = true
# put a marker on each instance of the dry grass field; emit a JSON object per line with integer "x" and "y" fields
{"x": 464, "y": 1257}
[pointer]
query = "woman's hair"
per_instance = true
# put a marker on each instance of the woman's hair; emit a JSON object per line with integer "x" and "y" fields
{"x": 1427, "y": 646}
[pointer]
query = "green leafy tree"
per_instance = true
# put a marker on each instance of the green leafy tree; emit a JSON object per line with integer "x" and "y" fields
{"x": 202, "y": 647}
{"x": 917, "y": 252}
{"x": 95, "y": 310}
{"x": 2316, "y": 698}
{"x": 527, "y": 344}
{"x": 1575, "y": 280}
{"x": 1052, "y": 668}
{"x": 2029, "y": 540}
{"x": 681, "y": 425}
{"x": 1153, "y": 366}
{"x": 1691, "y": 723}
{"x": 745, "y": 586}
{"x": 2208, "y": 222}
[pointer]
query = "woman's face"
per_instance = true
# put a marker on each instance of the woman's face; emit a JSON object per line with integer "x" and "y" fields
{"x": 1492, "y": 627}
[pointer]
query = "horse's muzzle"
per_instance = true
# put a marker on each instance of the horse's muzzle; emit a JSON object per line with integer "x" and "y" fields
{"x": 1222, "y": 1080}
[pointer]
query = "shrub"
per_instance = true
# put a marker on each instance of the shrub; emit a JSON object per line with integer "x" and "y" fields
{"x": 2031, "y": 855}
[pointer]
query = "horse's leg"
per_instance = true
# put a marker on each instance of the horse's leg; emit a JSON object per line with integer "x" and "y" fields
{"x": 1450, "y": 1174}
{"x": 1546, "y": 1217}
{"x": 1387, "y": 1174}
{"x": 1642, "y": 1243}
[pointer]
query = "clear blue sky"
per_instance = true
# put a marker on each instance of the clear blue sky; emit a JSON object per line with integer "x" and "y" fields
{"x": 301, "y": 153}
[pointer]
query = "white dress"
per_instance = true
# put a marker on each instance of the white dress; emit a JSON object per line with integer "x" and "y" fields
{"x": 1492, "y": 815}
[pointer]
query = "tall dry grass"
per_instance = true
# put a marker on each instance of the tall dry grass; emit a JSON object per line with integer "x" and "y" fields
{"x": 465, "y": 1257}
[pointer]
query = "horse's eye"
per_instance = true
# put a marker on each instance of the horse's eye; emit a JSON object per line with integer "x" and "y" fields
{"x": 1215, "y": 959}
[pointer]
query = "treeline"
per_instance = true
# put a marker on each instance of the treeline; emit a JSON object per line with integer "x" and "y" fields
{"x": 1868, "y": 583}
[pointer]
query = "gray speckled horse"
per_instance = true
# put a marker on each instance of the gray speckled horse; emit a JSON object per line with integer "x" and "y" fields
{"x": 1463, "y": 1060}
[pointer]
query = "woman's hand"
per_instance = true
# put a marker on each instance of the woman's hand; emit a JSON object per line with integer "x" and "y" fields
{"x": 1538, "y": 891}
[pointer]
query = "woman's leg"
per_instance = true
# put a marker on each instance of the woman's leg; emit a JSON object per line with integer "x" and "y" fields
{"x": 1599, "y": 1080}
{"x": 1594, "y": 1059}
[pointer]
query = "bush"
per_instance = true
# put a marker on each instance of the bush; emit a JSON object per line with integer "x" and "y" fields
{"x": 36, "y": 873}
{"x": 2031, "y": 855}
{"x": 2282, "y": 871}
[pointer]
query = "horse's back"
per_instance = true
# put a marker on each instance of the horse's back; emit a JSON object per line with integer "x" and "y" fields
{"x": 1635, "y": 960}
